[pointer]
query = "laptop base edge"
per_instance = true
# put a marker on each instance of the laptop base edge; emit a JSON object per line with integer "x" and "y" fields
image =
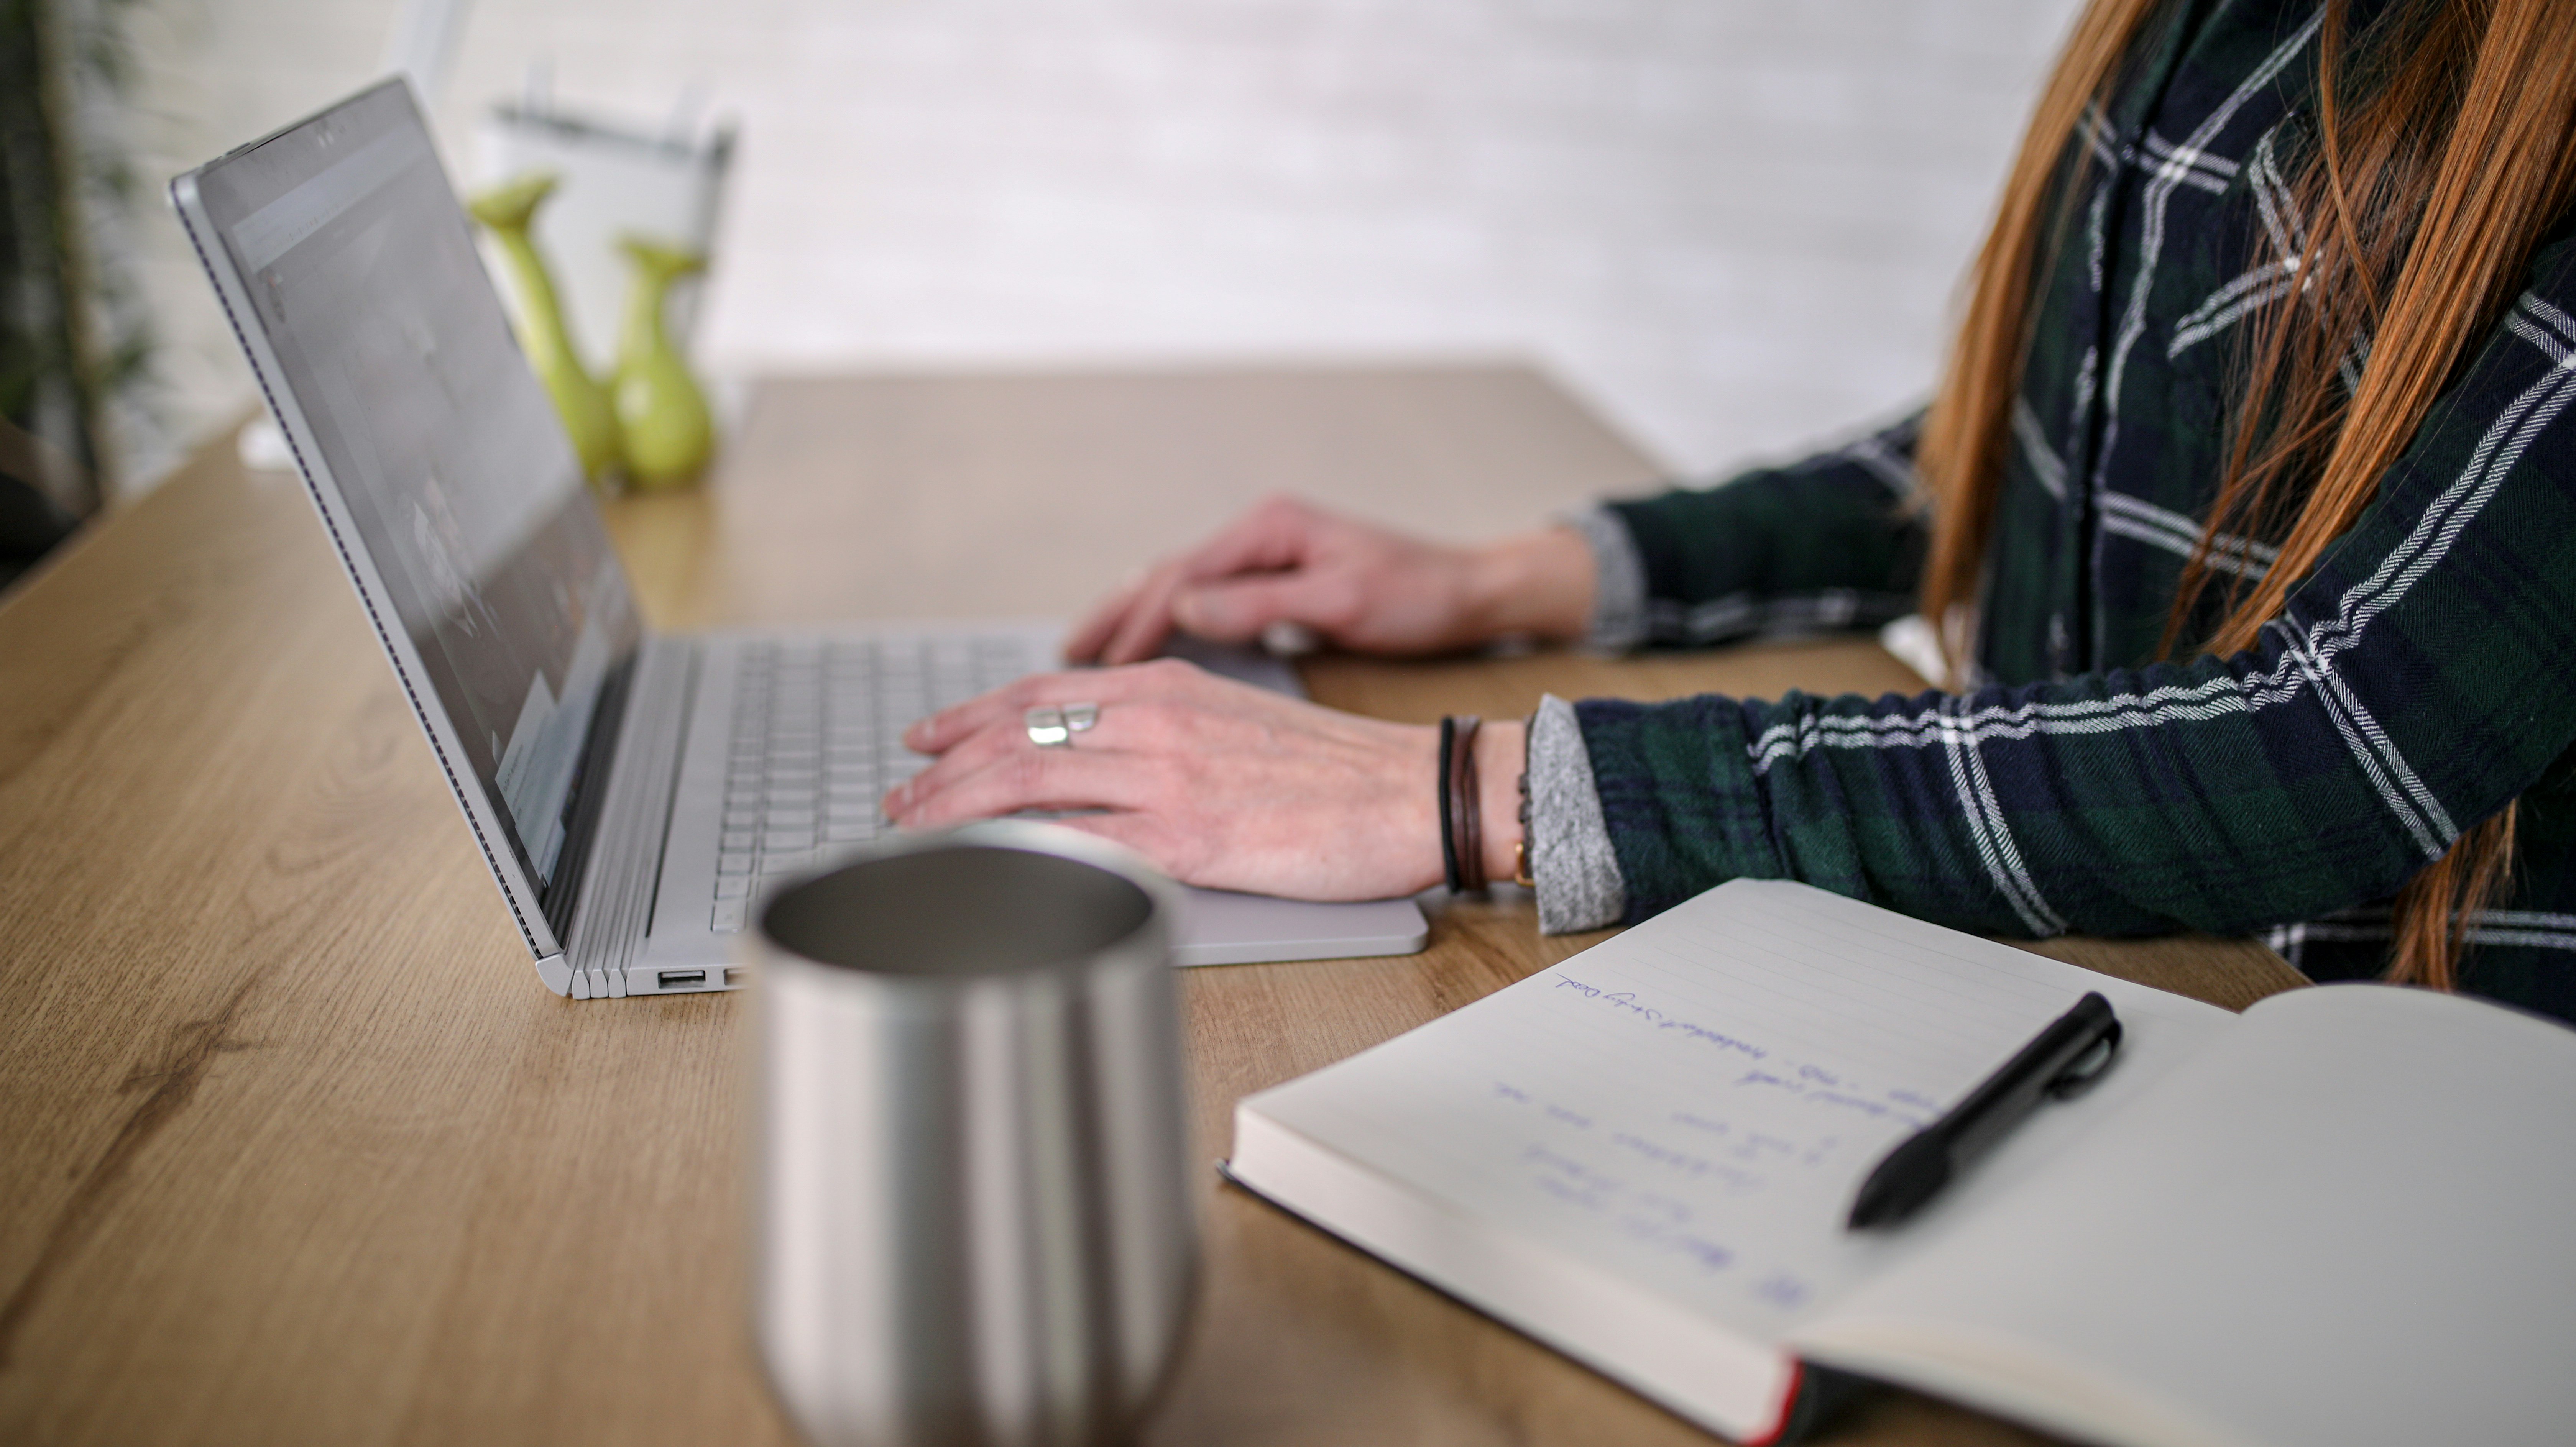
{"x": 610, "y": 929}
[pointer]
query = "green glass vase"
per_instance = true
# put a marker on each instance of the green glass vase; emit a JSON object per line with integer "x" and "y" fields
{"x": 506, "y": 210}
{"x": 661, "y": 413}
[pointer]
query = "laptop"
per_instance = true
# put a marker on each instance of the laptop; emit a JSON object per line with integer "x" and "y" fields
{"x": 632, "y": 791}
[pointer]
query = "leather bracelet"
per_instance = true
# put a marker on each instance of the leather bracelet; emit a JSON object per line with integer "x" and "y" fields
{"x": 1471, "y": 805}
{"x": 1440, "y": 802}
{"x": 1462, "y": 835}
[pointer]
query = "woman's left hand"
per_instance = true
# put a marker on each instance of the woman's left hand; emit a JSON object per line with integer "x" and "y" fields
{"x": 1218, "y": 783}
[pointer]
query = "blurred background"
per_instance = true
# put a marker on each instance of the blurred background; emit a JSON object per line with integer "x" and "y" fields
{"x": 1731, "y": 226}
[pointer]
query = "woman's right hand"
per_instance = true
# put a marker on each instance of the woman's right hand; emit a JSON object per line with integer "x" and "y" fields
{"x": 1350, "y": 583}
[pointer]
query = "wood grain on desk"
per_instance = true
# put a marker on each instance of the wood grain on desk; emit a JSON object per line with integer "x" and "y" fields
{"x": 294, "y": 1148}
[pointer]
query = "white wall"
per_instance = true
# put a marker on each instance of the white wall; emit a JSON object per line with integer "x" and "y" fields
{"x": 1731, "y": 224}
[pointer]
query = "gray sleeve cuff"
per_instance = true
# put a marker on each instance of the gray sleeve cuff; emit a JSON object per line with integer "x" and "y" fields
{"x": 1578, "y": 876}
{"x": 1619, "y": 582}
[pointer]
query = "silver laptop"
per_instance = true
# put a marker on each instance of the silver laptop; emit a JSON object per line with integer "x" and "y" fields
{"x": 630, "y": 790}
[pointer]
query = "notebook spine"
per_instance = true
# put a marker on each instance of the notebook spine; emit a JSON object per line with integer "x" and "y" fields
{"x": 1820, "y": 1395}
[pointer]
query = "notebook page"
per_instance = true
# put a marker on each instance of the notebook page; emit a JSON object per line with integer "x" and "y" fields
{"x": 1691, "y": 1105}
{"x": 2347, "y": 1222}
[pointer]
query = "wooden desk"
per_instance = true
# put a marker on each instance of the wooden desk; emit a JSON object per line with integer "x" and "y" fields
{"x": 293, "y": 1147}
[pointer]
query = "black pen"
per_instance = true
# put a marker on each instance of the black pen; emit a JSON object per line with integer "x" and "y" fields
{"x": 2067, "y": 1057}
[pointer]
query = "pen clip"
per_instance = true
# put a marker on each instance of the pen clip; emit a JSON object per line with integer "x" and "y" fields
{"x": 2081, "y": 1072}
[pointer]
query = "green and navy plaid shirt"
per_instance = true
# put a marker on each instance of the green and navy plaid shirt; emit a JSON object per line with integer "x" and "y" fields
{"x": 2421, "y": 679}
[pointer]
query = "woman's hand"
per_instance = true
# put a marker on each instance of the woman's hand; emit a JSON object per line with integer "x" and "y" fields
{"x": 1218, "y": 783}
{"x": 1352, "y": 583}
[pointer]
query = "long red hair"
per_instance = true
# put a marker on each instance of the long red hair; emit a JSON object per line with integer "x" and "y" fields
{"x": 2445, "y": 146}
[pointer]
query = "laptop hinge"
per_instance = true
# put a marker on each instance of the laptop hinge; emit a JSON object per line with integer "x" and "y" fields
{"x": 615, "y": 906}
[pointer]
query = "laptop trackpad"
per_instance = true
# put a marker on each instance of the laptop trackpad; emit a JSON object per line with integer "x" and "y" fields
{"x": 1221, "y": 928}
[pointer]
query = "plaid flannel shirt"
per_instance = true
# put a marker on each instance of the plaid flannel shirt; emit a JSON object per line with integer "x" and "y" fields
{"x": 2420, "y": 679}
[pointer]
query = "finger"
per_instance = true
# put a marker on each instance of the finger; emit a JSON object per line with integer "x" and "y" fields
{"x": 1147, "y": 624}
{"x": 1133, "y": 719}
{"x": 1007, "y": 706}
{"x": 1273, "y": 536}
{"x": 939, "y": 732}
{"x": 1084, "y": 643}
{"x": 1032, "y": 778}
{"x": 1237, "y": 610}
{"x": 977, "y": 750}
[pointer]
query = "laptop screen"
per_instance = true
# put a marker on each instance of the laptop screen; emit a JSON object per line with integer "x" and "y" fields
{"x": 464, "y": 490}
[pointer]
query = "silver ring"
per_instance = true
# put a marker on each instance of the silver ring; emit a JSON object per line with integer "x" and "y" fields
{"x": 1052, "y": 726}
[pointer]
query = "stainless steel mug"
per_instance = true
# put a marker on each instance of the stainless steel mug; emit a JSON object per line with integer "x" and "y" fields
{"x": 973, "y": 1218}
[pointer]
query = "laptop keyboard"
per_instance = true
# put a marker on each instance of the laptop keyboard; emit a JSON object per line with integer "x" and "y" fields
{"x": 818, "y": 739}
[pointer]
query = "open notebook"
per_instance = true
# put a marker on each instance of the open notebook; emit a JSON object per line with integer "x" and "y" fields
{"x": 2337, "y": 1218}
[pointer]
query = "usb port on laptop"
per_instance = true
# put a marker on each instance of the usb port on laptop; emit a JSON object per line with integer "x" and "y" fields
{"x": 676, "y": 979}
